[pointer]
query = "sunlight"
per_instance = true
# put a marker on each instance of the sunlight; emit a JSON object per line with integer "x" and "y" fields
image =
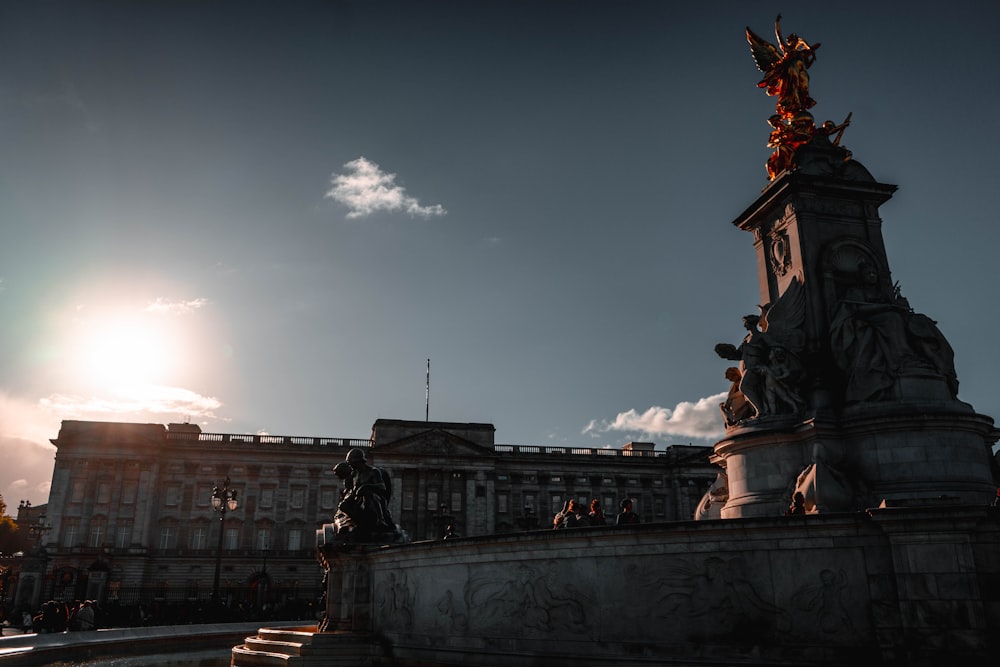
{"x": 123, "y": 351}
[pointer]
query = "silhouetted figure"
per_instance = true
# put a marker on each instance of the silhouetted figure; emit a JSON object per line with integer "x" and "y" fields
{"x": 557, "y": 520}
{"x": 574, "y": 517}
{"x": 626, "y": 516}
{"x": 798, "y": 505}
{"x": 596, "y": 514}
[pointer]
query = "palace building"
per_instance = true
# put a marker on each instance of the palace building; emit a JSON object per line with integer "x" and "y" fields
{"x": 130, "y": 516}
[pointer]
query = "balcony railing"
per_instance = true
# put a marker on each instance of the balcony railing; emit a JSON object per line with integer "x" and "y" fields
{"x": 251, "y": 440}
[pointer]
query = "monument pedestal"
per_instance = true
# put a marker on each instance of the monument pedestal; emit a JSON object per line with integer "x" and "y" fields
{"x": 853, "y": 393}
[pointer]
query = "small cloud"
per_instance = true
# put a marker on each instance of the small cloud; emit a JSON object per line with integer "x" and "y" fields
{"x": 366, "y": 189}
{"x": 18, "y": 484}
{"x": 163, "y": 306}
{"x": 700, "y": 419}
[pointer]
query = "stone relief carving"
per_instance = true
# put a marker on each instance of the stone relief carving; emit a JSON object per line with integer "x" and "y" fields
{"x": 769, "y": 355}
{"x": 450, "y": 616}
{"x": 824, "y": 604}
{"x": 533, "y": 600}
{"x": 394, "y": 602}
{"x": 717, "y": 595}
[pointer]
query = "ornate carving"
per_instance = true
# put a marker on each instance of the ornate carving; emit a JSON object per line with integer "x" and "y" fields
{"x": 781, "y": 252}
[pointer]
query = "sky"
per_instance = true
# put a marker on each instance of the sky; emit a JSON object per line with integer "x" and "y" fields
{"x": 267, "y": 217}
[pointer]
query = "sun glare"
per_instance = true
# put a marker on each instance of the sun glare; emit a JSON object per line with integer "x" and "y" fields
{"x": 123, "y": 352}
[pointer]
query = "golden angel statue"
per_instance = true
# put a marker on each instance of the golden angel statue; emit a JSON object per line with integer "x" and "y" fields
{"x": 785, "y": 69}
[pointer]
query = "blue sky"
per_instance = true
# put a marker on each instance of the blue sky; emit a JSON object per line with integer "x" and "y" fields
{"x": 266, "y": 217}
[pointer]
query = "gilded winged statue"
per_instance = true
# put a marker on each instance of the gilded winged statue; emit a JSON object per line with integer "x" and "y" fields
{"x": 785, "y": 69}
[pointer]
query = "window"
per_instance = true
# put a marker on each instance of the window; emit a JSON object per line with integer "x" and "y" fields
{"x": 659, "y": 506}
{"x": 232, "y": 538}
{"x": 103, "y": 493}
{"x": 266, "y": 498}
{"x": 294, "y": 539}
{"x": 129, "y": 490}
{"x": 167, "y": 537}
{"x": 298, "y": 497}
{"x": 327, "y": 498}
{"x": 555, "y": 503}
{"x": 69, "y": 533}
{"x": 502, "y": 478}
{"x": 203, "y": 496}
{"x": 503, "y": 502}
{"x": 124, "y": 537}
{"x": 529, "y": 500}
{"x": 98, "y": 530}
{"x": 173, "y": 495}
{"x": 407, "y": 500}
{"x": 555, "y": 478}
{"x": 199, "y": 537}
{"x": 456, "y": 501}
{"x": 432, "y": 500}
{"x": 263, "y": 539}
{"x": 76, "y": 493}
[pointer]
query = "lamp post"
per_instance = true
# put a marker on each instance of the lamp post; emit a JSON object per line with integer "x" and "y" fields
{"x": 223, "y": 500}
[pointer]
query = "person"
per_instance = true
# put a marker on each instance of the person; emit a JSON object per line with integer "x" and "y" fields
{"x": 557, "y": 520}
{"x": 596, "y": 514}
{"x": 449, "y": 532}
{"x": 626, "y": 516}
{"x": 996, "y": 501}
{"x": 574, "y": 517}
{"x": 798, "y": 505}
{"x": 85, "y": 618}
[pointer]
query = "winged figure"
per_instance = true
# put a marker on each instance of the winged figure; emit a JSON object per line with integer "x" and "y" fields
{"x": 785, "y": 69}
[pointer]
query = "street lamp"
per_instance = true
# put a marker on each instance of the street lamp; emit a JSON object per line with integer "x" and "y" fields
{"x": 223, "y": 500}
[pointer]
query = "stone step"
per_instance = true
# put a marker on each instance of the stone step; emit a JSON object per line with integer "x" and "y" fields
{"x": 303, "y": 648}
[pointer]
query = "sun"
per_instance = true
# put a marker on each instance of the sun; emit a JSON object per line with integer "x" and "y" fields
{"x": 123, "y": 350}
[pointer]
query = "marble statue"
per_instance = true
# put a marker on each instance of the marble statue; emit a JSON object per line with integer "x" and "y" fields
{"x": 770, "y": 366}
{"x": 876, "y": 338}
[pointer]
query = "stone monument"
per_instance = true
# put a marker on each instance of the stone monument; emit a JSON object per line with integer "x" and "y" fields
{"x": 844, "y": 392}
{"x": 863, "y": 482}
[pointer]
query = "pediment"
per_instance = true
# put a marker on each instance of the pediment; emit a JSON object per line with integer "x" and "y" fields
{"x": 434, "y": 442}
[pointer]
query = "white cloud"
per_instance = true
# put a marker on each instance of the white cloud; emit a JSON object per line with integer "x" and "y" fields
{"x": 701, "y": 419}
{"x": 366, "y": 189}
{"x": 135, "y": 400}
{"x": 167, "y": 307}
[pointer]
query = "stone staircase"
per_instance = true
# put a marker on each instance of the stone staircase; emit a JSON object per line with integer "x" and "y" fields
{"x": 304, "y": 647}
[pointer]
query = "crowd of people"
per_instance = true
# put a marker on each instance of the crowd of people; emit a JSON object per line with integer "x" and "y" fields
{"x": 575, "y": 515}
{"x": 55, "y": 616}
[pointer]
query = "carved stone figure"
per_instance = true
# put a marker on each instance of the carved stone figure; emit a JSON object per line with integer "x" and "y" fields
{"x": 876, "y": 338}
{"x": 771, "y": 370}
{"x": 363, "y": 512}
{"x": 736, "y": 407}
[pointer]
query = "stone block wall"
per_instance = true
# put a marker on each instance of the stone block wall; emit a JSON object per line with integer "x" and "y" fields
{"x": 906, "y": 586}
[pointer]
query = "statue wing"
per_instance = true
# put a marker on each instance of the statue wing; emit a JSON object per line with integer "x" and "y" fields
{"x": 765, "y": 55}
{"x": 786, "y": 315}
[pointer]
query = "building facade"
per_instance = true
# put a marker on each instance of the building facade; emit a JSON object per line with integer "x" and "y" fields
{"x": 130, "y": 517}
